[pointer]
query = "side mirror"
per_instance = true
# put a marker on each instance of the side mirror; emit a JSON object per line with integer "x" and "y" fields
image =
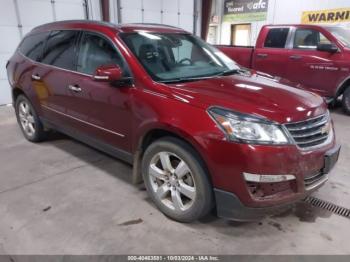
{"x": 330, "y": 48}
{"x": 108, "y": 73}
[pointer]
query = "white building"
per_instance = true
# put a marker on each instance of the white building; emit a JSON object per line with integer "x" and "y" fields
{"x": 18, "y": 17}
{"x": 243, "y": 29}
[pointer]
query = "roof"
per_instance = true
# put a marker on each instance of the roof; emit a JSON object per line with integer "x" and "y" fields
{"x": 148, "y": 27}
{"x": 71, "y": 22}
{"x": 299, "y": 25}
{"x": 92, "y": 24}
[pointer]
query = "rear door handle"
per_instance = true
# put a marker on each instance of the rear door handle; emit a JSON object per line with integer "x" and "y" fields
{"x": 262, "y": 55}
{"x": 74, "y": 88}
{"x": 295, "y": 57}
{"x": 36, "y": 77}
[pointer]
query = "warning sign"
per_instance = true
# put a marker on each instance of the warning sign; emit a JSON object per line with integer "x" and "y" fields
{"x": 326, "y": 16}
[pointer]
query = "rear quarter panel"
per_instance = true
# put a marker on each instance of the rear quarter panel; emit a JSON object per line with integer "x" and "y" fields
{"x": 19, "y": 73}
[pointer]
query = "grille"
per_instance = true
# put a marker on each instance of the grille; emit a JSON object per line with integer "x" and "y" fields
{"x": 311, "y": 132}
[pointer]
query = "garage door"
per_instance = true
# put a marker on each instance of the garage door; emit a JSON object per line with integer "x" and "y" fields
{"x": 17, "y": 17}
{"x": 178, "y": 13}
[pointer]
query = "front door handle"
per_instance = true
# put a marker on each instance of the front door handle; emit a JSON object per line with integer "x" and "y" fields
{"x": 74, "y": 88}
{"x": 295, "y": 57}
{"x": 262, "y": 55}
{"x": 36, "y": 77}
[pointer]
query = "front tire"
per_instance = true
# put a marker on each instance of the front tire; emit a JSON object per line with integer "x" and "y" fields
{"x": 176, "y": 180}
{"x": 28, "y": 120}
{"x": 346, "y": 101}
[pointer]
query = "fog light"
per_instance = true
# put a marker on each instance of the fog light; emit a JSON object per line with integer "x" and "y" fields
{"x": 267, "y": 178}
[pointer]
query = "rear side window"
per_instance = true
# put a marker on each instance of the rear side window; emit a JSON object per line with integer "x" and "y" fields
{"x": 60, "y": 49}
{"x": 96, "y": 51}
{"x": 276, "y": 38}
{"x": 32, "y": 46}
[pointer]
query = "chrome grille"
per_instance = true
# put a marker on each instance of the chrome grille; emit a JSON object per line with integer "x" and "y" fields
{"x": 311, "y": 132}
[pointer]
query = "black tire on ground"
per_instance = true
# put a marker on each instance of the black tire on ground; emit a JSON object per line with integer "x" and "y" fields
{"x": 39, "y": 134}
{"x": 203, "y": 200}
{"x": 346, "y": 101}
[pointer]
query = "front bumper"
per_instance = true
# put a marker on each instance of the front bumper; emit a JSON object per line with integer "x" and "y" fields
{"x": 229, "y": 205}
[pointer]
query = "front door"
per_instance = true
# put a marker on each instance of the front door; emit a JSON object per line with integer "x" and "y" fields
{"x": 316, "y": 70}
{"x": 100, "y": 109}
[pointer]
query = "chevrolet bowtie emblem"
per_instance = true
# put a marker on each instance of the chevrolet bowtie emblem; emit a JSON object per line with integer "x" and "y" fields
{"x": 325, "y": 129}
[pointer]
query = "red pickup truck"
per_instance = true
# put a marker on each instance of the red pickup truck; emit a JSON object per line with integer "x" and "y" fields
{"x": 316, "y": 58}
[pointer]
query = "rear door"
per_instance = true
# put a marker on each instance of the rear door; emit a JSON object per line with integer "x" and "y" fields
{"x": 32, "y": 48}
{"x": 317, "y": 71}
{"x": 99, "y": 109}
{"x": 272, "y": 56}
{"x": 53, "y": 75}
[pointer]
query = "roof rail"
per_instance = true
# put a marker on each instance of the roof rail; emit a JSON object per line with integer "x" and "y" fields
{"x": 151, "y": 24}
{"x": 111, "y": 25}
{"x": 78, "y": 21}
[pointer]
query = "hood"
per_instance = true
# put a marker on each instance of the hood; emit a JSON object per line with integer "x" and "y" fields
{"x": 252, "y": 93}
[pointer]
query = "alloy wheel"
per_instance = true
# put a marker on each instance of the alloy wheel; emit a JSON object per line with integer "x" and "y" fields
{"x": 26, "y": 118}
{"x": 172, "y": 181}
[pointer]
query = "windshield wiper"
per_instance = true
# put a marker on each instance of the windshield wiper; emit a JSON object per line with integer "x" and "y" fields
{"x": 184, "y": 79}
{"x": 188, "y": 79}
{"x": 230, "y": 72}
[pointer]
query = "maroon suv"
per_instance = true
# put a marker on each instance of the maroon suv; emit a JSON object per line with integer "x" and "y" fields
{"x": 200, "y": 131}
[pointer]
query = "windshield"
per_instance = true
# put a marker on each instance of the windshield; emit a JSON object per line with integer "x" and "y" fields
{"x": 342, "y": 34}
{"x": 169, "y": 57}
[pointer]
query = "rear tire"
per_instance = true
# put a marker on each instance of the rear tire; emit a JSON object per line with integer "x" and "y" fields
{"x": 28, "y": 120}
{"x": 176, "y": 180}
{"x": 346, "y": 101}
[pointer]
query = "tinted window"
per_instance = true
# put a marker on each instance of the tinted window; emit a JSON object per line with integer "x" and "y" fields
{"x": 277, "y": 37}
{"x": 32, "y": 46}
{"x": 60, "y": 49}
{"x": 309, "y": 39}
{"x": 96, "y": 51}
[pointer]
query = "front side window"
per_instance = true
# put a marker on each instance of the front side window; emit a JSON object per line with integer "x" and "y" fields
{"x": 175, "y": 57}
{"x": 60, "y": 49}
{"x": 96, "y": 51}
{"x": 32, "y": 46}
{"x": 309, "y": 39}
{"x": 276, "y": 38}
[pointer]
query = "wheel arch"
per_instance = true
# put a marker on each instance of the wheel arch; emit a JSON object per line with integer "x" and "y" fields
{"x": 159, "y": 132}
{"x": 343, "y": 85}
{"x": 16, "y": 91}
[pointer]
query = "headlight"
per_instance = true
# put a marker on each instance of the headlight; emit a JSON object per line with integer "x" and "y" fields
{"x": 248, "y": 129}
